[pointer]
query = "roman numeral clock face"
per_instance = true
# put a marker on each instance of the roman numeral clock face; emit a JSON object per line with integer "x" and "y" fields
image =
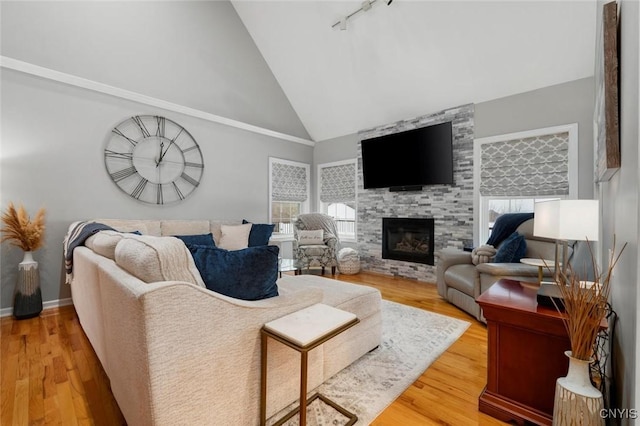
{"x": 153, "y": 159}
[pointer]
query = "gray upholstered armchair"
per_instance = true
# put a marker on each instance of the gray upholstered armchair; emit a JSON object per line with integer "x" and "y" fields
{"x": 315, "y": 242}
{"x": 460, "y": 281}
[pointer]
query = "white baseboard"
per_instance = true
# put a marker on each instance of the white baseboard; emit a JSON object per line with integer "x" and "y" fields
{"x": 5, "y": 312}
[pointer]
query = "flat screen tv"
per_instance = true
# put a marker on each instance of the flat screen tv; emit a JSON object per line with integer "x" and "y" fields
{"x": 408, "y": 160}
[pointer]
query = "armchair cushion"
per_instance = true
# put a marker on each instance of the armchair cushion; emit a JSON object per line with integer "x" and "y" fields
{"x": 311, "y": 237}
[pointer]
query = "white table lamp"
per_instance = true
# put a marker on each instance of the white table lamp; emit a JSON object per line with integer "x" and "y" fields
{"x": 565, "y": 220}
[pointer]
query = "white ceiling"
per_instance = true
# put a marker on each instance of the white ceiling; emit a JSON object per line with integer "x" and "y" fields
{"x": 411, "y": 58}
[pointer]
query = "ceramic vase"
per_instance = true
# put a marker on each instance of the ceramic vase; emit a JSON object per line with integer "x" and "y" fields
{"x": 27, "y": 301}
{"x": 577, "y": 401}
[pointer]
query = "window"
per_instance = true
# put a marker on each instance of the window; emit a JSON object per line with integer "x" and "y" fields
{"x": 337, "y": 195}
{"x": 512, "y": 172}
{"x": 288, "y": 192}
{"x": 500, "y": 206}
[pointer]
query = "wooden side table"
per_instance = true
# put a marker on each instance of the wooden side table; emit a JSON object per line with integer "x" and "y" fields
{"x": 303, "y": 331}
{"x": 526, "y": 345}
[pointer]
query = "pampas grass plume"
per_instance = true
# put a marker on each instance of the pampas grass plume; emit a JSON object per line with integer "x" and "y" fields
{"x": 586, "y": 306}
{"x": 20, "y": 230}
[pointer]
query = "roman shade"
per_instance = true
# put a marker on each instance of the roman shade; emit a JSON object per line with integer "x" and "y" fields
{"x": 338, "y": 184}
{"x": 531, "y": 166}
{"x": 288, "y": 182}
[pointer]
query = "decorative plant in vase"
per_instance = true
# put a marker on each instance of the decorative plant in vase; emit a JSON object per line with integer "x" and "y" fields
{"x": 27, "y": 234}
{"x": 577, "y": 401}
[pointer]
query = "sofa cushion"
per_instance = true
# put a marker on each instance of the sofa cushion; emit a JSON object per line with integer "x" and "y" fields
{"x": 104, "y": 243}
{"x": 200, "y": 239}
{"x": 153, "y": 259}
{"x": 260, "y": 233}
{"x": 511, "y": 250}
{"x": 361, "y": 300}
{"x": 248, "y": 274}
{"x": 145, "y": 227}
{"x": 234, "y": 237}
{"x": 185, "y": 227}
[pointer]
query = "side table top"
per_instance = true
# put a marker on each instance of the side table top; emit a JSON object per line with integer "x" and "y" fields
{"x": 538, "y": 262}
{"x": 513, "y": 295}
{"x": 310, "y": 324}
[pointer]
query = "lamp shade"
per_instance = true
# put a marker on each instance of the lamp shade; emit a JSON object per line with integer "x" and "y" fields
{"x": 567, "y": 219}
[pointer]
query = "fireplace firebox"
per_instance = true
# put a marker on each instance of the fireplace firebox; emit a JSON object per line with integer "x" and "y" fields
{"x": 408, "y": 239}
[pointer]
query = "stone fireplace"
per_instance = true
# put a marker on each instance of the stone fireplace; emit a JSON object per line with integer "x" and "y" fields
{"x": 450, "y": 206}
{"x": 408, "y": 239}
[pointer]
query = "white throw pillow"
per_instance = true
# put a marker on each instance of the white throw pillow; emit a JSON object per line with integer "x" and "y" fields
{"x": 306, "y": 238}
{"x": 234, "y": 237}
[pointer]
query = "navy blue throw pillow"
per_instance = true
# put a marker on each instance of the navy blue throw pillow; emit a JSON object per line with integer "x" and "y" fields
{"x": 248, "y": 274}
{"x": 260, "y": 233}
{"x": 512, "y": 249}
{"x": 200, "y": 240}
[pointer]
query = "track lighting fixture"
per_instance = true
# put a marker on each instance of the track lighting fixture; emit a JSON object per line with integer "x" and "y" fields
{"x": 364, "y": 6}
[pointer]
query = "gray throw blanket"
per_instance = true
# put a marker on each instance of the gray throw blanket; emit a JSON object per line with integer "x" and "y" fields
{"x": 314, "y": 221}
{"x": 76, "y": 237}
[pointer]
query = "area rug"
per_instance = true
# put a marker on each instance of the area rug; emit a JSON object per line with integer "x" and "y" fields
{"x": 412, "y": 339}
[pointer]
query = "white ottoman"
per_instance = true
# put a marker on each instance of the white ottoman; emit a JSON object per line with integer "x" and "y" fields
{"x": 348, "y": 261}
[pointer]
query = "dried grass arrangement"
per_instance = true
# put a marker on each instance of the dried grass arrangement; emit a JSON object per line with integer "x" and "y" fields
{"x": 585, "y": 303}
{"x": 20, "y": 230}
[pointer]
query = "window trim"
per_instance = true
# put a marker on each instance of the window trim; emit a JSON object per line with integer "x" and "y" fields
{"x": 305, "y": 205}
{"x": 481, "y": 203}
{"x": 320, "y": 204}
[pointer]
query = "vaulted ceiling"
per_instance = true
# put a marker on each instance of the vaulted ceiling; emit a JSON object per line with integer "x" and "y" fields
{"x": 411, "y": 58}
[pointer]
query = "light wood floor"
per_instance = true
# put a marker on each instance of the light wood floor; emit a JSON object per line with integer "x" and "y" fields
{"x": 50, "y": 374}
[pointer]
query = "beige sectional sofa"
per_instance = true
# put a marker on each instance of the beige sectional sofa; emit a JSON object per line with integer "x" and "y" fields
{"x": 177, "y": 353}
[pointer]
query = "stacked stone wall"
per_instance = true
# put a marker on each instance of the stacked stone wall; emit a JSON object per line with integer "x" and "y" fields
{"x": 451, "y": 206}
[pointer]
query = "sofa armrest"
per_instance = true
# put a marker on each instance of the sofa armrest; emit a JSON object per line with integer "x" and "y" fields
{"x": 175, "y": 335}
{"x": 511, "y": 269}
{"x": 446, "y": 258}
{"x": 492, "y": 272}
{"x": 450, "y": 256}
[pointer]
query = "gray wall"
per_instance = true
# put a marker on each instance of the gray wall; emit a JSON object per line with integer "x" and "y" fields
{"x": 566, "y": 103}
{"x": 53, "y": 135}
{"x": 621, "y": 215}
{"x": 155, "y": 48}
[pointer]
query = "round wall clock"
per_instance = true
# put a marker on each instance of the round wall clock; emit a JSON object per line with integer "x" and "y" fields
{"x": 153, "y": 159}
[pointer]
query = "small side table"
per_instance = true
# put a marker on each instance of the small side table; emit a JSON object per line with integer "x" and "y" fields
{"x": 540, "y": 263}
{"x": 303, "y": 331}
{"x": 286, "y": 265}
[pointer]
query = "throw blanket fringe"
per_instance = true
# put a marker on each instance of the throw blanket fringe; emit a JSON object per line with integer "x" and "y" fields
{"x": 77, "y": 235}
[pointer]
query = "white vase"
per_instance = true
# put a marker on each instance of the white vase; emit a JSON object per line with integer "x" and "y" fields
{"x": 577, "y": 401}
